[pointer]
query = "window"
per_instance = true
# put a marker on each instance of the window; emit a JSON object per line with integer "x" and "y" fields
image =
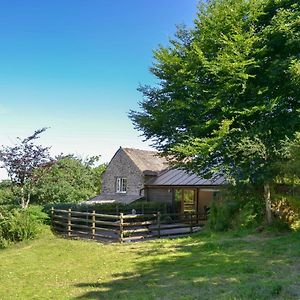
{"x": 186, "y": 200}
{"x": 121, "y": 185}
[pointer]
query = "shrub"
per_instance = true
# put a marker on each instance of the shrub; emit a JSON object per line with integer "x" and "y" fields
{"x": 38, "y": 214}
{"x": 6, "y": 209}
{"x": 240, "y": 208}
{"x": 3, "y": 242}
{"x": 18, "y": 225}
{"x": 140, "y": 206}
{"x": 235, "y": 214}
{"x": 219, "y": 218}
{"x": 248, "y": 216}
{"x": 287, "y": 210}
{"x": 278, "y": 226}
{"x": 6, "y": 194}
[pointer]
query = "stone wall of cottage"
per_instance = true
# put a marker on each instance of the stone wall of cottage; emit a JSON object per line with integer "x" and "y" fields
{"x": 122, "y": 166}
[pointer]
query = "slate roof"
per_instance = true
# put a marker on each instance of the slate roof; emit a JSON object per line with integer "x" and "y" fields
{"x": 180, "y": 177}
{"x": 147, "y": 161}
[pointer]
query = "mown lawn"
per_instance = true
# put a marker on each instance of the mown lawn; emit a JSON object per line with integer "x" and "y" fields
{"x": 204, "y": 266}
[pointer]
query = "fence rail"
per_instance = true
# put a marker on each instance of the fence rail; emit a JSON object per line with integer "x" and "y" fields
{"x": 124, "y": 227}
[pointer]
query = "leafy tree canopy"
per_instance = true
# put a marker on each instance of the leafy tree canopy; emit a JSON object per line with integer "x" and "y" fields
{"x": 21, "y": 161}
{"x": 6, "y": 194}
{"x": 69, "y": 180}
{"x": 289, "y": 165}
{"x": 228, "y": 90}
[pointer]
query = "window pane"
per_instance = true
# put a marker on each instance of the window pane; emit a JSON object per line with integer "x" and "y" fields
{"x": 189, "y": 201}
{"x": 178, "y": 195}
{"x": 124, "y": 184}
{"x": 121, "y": 185}
{"x": 118, "y": 185}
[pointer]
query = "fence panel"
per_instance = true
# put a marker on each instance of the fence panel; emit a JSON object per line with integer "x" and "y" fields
{"x": 122, "y": 227}
{"x": 85, "y": 224}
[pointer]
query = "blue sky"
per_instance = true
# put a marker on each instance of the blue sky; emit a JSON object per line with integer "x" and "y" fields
{"x": 75, "y": 65}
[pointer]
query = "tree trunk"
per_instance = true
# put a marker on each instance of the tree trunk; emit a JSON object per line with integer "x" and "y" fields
{"x": 28, "y": 200}
{"x": 267, "y": 197}
{"x": 24, "y": 203}
{"x": 22, "y": 198}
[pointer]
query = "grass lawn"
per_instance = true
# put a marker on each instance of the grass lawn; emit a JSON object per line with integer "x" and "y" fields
{"x": 204, "y": 266}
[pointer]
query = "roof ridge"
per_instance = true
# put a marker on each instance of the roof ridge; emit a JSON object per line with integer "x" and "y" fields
{"x": 146, "y": 159}
{"x": 143, "y": 150}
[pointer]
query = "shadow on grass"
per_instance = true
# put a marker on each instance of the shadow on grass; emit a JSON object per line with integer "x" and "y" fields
{"x": 205, "y": 268}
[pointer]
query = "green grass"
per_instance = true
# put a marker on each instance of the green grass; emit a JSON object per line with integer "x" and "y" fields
{"x": 205, "y": 266}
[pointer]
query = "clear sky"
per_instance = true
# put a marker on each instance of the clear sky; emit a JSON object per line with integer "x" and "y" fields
{"x": 75, "y": 65}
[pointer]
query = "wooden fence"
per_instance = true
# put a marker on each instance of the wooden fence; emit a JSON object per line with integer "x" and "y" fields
{"x": 124, "y": 227}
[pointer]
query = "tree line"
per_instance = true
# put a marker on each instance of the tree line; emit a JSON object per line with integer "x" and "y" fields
{"x": 35, "y": 176}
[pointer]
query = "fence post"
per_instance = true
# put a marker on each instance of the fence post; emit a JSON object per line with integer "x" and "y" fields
{"x": 69, "y": 222}
{"x": 87, "y": 217}
{"x": 93, "y": 225}
{"x": 121, "y": 228}
{"x": 52, "y": 216}
{"x": 158, "y": 224}
{"x": 191, "y": 222}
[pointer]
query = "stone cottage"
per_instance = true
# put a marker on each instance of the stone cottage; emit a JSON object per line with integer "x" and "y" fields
{"x": 133, "y": 174}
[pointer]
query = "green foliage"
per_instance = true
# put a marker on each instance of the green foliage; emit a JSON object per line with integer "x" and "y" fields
{"x": 224, "y": 216}
{"x": 219, "y": 216}
{"x": 287, "y": 210}
{"x": 141, "y": 207}
{"x": 278, "y": 226}
{"x": 21, "y": 161}
{"x": 226, "y": 89}
{"x": 3, "y": 242}
{"x": 286, "y": 196}
{"x": 96, "y": 177}
{"x": 69, "y": 180}
{"x": 37, "y": 214}
{"x": 247, "y": 216}
{"x": 289, "y": 164}
{"x": 6, "y": 194}
{"x": 6, "y": 208}
{"x": 17, "y": 226}
{"x": 241, "y": 208}
{"x": 293, "y": 200}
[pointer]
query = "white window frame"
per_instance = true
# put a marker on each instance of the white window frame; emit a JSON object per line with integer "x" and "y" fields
{"x": 121, "y": 185}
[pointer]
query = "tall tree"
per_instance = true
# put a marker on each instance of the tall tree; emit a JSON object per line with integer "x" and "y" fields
{"x": 21, "y": 161}
{"x": 228, "y": 90}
